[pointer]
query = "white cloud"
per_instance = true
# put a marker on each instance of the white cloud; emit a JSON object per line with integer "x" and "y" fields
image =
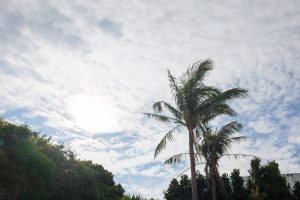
{"x": 263, "y": 125}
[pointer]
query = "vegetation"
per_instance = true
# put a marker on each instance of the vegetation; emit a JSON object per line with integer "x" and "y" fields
{"x": 34, "y": 168}
{"x": 267, "y": 180}
{"x": 296, "y": 191}
{"x": 134, "y": 197}
{"x": 196, "y": 105}
{"x": 261, "y": 184}
{"x": 237, "y": 185}
{"x": 214, "y": 145}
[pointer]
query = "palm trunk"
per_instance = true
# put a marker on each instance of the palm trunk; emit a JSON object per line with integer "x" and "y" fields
{"x": 220, "y": 182}
{"x": 208, "y": 179}
{"x": 213, "y": 187}
{"x": 193, "y": 166}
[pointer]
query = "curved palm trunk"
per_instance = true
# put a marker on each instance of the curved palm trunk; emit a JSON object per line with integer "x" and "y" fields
{"x": 193, "y": 166}
{"x": 217, "y": 178}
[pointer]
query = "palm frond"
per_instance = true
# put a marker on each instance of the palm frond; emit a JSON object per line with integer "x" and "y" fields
{"x": 176, "y": 91}
{"x": 200, "y": 163}
{"x": 200, "y": 69}
{"x": 225, "y": 97}
{"x": 173, "y": 84}
{"x": 161, "y": 118}
{"x": 162, "y": 144}
{"x": 217, "y": 104}
{"x": 205, "y": 92}
{"x": 239, "y": 138}
{"x": 238, "y": 155}
{"x": 214, "y": 110}
{"x": 158, "y": 108}
{"x": 176, "y": 158}
{"x": 230, "y": 128}
{"x": 233, "y": 93}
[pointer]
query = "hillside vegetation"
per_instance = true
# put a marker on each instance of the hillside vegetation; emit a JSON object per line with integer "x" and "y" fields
{"x": 34, "y": 168}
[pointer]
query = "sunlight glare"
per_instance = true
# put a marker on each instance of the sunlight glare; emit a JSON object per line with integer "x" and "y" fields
{"x": 94, "y": 114}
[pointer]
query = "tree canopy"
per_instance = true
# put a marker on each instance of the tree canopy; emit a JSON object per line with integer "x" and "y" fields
{"x": 34, "y": 168}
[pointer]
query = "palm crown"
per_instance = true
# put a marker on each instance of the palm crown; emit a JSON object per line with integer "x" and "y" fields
{"x": 196, "y": 104}
{"x": 215, "y": 144}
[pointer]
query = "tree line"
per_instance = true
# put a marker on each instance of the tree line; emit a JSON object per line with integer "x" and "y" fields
{"x": 263, "y": 183}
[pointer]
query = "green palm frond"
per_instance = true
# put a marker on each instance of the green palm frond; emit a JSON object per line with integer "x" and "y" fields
{"x": 230, "y": 128}
{"x": 228, "y": 95}
{"x": 158, "y": 107}
{"x": 211, "y": 111}
{"x": 234, "y": 94}
{"x": 239, "y": 138}
{"x": 198, "y": 71}
{"x": 215, "y": 144}
{"x": 173, "y": 84}
{"x": 176, "y": 91}
{"x": 238, "y": 155}
{"x": 161, "y": 118}
{"x": 205, "y": 92}
{"x": 200, "y": 163}
{"x": 217, "y": 104}
{"x": 202, "y": 68}
{"x": 162, "y": 144}
{"x": 176, "y": 158}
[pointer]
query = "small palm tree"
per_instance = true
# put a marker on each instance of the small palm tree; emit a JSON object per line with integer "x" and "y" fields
{"x": 213, "y": 146}
{"x": 195, "y": 103}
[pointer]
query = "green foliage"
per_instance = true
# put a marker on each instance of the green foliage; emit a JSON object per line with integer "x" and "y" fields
{"x": 267, "y": 180}
{"x": 203, "y": 192}
{"x": 185, "y": 187}
{"x": 264, "y": 183}
{"x": 182, "y": 190}
{"x": 179, "y": 191}
{"x": 296, "y": 191}
{"x": 237, "y": 184}
{"x": 173, "y": 192}
{"x": 134, "y": 197}
{"x": 34, "y": 168}
{"x": 226, "y": 182}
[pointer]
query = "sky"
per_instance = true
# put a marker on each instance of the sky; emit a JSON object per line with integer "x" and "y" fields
{"x": 82, "y": 72}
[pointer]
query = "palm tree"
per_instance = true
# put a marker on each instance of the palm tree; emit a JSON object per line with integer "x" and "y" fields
{"x": 213, "y": 146}
{"x": 195, "y": 103}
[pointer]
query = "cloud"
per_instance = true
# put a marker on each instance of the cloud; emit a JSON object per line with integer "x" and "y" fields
{"x": 110, "y": 27}
{"x": 263, "y": 125}
{"x": 58, "y": 63}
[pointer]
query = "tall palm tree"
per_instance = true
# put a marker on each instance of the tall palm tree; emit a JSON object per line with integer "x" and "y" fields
{"x": 213, "y": 146}
{"x": 195, "y": 103}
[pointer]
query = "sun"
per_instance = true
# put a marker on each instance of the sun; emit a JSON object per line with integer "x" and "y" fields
{"x": 94, "y": 114}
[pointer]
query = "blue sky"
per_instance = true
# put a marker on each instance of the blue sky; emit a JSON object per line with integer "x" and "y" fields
{"x": 83, "y": 71}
